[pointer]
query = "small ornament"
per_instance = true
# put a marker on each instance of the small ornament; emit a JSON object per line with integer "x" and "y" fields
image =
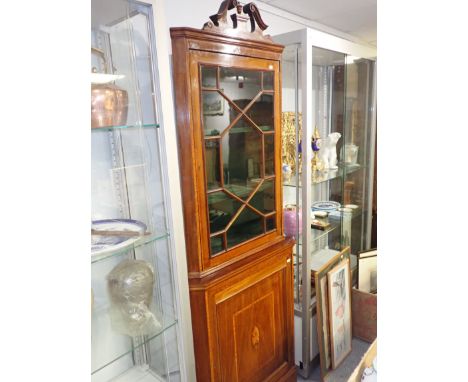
{"x": 328, "y": 151}
{"x": 317, "y": 164}
{"x": 287, "y": 171}
{"x": 292, "y": 221}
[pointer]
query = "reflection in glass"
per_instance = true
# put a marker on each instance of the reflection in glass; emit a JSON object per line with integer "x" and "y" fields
{"x": 247, "y": 225}
{"x": 268, "y": 81}
{"x": 216, "y": 113}
{"x": 264, "y": 199}
{"x": 208, "y": 76}
{"x": 216, "y": 244}
{"x": 237, "y": 160}
{"x": 271, "y": 223}
{"x": 212, "y": 164}
{"x": 262, "y": 112}
{"x": 240, "y": 85}
{"x": 221, "y": 209}
{"x": 242, "y": 157}
{"x": 269, "y": 154}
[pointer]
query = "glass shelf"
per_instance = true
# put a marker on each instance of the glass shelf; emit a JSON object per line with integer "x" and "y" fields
{"x": 124, "y": 127}
{"x": 140, "y": 373}
{"x": 335, "y": 224}
{"x": 329, "y": 175}
{"x": 127, "y": 344}
{"x": 318, "y": 234}
{"x": 143, "y": 240}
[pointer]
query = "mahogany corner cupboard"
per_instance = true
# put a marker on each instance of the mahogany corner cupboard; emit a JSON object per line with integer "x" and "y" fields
{"x": 227, "y": 81}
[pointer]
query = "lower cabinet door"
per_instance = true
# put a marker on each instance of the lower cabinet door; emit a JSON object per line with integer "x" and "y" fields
{"x": 253, "y": 313}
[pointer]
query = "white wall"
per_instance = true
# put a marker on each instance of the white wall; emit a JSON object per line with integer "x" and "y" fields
{"x": 182, "y": 13}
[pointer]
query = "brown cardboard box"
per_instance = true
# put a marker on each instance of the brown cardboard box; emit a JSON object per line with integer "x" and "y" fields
{"x": 366, "y": 362}
{"x": 364, "y": 315}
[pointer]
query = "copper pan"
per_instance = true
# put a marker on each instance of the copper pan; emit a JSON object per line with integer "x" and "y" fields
{"x": 109, "y": 103}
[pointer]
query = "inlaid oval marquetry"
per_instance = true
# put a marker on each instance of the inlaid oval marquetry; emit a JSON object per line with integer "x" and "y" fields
{"x": 255, "y": 337}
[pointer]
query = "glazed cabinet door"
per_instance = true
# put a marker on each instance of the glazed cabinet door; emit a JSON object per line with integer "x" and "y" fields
{"x": 253, "y": 315}
{"x": 235, "y": 106}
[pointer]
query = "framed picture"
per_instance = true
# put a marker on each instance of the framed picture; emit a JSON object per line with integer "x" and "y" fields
{"x": 367, "y": 271}
{"x": 213, "y": 103}
{"x": 339, "y": 310}
{"x": 321, "y": 287}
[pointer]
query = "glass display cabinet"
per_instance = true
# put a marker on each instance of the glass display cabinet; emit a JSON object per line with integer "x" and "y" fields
{"x": 136, "y": 298}
{"x": 328, "y": 132}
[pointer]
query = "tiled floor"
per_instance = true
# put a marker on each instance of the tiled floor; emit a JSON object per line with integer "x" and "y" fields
{"x": 342, "y": 373}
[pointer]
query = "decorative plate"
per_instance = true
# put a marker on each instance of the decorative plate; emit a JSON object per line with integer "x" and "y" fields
{"x": 127, "y": 231}
{"x": 325, "y": 205}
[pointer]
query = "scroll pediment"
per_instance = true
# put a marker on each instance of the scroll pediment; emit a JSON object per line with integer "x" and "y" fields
{"x": 238, "y": 20}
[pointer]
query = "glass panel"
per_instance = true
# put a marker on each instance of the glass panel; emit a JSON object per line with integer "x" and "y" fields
{"x": 264, "y": 198}
{"x": 262, "y": 112}
{"x": 242, "y": 158}
{"x": 328, "y": 72}
{"x": 221, "y": 209}
{"x": 271, "y": 223}
{"x": 240, "y": 85}
{"x": 208, "y": 74}
{"x": 356, "y": 152}
{"x": 248, "y": 225}
{"x": 212, "y": 163}
{"x": 268, "y": 80}
{"x": 269, "y": 154}
{"x": 127, "y": 183}
{"x": 290, "y": 120}
{"x": 217, "y": 113}
{"x": 216, "y": 244}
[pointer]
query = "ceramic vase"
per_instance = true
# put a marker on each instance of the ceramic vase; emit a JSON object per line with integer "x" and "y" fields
{"x": 292, "y": 225}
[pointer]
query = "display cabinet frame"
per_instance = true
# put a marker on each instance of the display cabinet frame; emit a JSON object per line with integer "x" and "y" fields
{"x": 173, "y": 192}
{"x": 305, "y": 40}
{"x": 172, "y": 236}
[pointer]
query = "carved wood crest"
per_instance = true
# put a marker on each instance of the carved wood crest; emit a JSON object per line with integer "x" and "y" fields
{"x": 245, "y": 21}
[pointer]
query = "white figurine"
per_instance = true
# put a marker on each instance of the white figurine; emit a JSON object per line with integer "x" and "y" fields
{"x": 327, "y": 151}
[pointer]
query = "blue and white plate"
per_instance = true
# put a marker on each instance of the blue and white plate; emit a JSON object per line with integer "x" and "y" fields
{"x": 325, "y": 205}
{"x": 101, "y": 244}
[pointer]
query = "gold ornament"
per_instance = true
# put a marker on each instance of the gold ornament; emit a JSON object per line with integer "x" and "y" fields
{"x": 288, "y": 136}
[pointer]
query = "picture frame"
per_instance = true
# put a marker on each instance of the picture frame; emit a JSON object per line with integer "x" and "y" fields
{"x": 213, "y": 104}
{"x": 339, "y": 305}
{"x": 321, "y": 288}
{"x": 367, "y": 271}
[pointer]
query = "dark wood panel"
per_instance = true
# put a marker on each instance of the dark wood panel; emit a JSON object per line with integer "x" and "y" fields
{"x": 201, "y": 40}
{"x": 248, "y": 321}
{"x": 252, "y": 331}
{"x": 242, "y": 299}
